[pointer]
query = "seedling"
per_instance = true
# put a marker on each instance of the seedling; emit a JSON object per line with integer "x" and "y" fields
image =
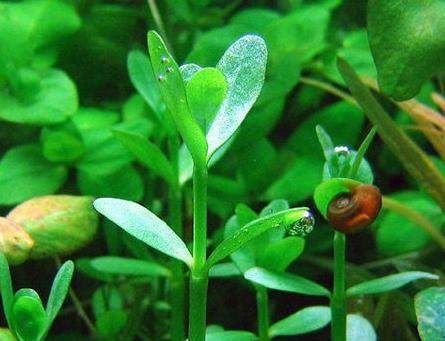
{"x": 27, "y": 319}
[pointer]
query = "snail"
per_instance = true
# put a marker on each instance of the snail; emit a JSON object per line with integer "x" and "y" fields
{"x": 347, "y": 204}
{"x": 350, "y": 212}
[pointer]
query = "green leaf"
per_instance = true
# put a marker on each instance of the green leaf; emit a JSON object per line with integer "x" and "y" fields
{"x": 325, "y": 142}
{"x": 59, "y": 290}
{"x": 128, "y": 267}
{"x": 280, "y": 254}
{"x": 388, "y": 283}
{"x": 61, "y": 146}
{"x": 244, "y": 66}
{"x": 359, "y": 328}
{"x": 143, "y": 79}
{"x": 25, "y": 173}
{"x": 430, "y": 311}
{"x": 145, "y": 226}
{"x": 303, "y": 321}
{"x": 285, "y": 282}
{"x": 407, "y": 40}
{"x": 188, "y": 70}
{"x": 53, "y": 101}
{"x": 231, "y": 335}
{"x": 29, "y": 320}
{"x": 111, "y": 322}
{"x": 125, "y": 183}
{"x": 416, "y": 162}
{"x": 6, "y": 288}
{"x": 206, "y": 90}
{"x": 174, "y": 95}
{"x": 147, "y": 153}
{"x": 408, "y": 236}
{"x": 224, "y": 270}
{"x": 253, "y": 229}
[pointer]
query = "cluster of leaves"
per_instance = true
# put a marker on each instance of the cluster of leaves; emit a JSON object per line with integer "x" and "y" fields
{"x": 82, "y": 112}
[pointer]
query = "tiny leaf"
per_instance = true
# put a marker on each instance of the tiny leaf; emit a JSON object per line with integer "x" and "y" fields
{"x": 128, "y": 266}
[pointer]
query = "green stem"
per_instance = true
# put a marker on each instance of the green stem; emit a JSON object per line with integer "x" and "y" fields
{"x": 262, "y": 303}
{"x": 177, "y": 283}
{"x": 338, "y": 301}
{"x": 159, "y": 23}
{"x": 199, "y": 275}
{"x": 329, "y": 88}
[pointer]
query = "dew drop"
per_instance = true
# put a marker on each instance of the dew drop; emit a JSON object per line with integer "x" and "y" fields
{"x": 342, "y": 150}
{"x": 169, "y": 69}
{"x": 164, "y": 60}
{"x": 303, "y": 226}
{"x": 161, "y": 78}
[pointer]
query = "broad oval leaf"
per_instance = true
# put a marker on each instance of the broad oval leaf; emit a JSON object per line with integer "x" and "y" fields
{"x": 407, "y": 40}
{"x": 253, "y": 229}
{"x": 29, "y": 320}
{"x": 173, "y": 93}
{"x": 244, "y": 66}
{"x": 388, "y": 283}
{"x": 25, "y": 173}
{"x": 53, "y": 102}
{"x": 303, "y": 321}
{"x": 128, "y": 266}
{"x": 59, "y": 290}
{"x": 359, "y": 328}
{"x": 145, "y": 226}
{"x": 280, "y": 254}
{"x": 285, "y": 282}
{"x": 430, "y": 311}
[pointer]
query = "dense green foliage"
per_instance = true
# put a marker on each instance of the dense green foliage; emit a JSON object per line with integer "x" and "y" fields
{"x": 209, "y": 131}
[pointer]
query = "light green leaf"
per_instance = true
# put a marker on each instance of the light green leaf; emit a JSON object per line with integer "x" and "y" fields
{"x": 206, "y": 90}
{"x": 6, "y": 288}
{"x": 59, "y": 290}
{"x": 359, "y": 328}
{"x": 253, "y": 229}
{"x": 147, "y": 153}
{"x": 145, "y": 226}
{"x": 25, "y": 173}
{"x": 303, "y": 321}
{"x": 128, "y": 267}
{"x": 244, "y": 66}
{"x": 188, "y": 70}
{"x": 407, "y": 40}
{"x": 416, "y": 162}
{"x": 285, "y": 282}
{"x": 388, "y": 283}
{"x": 61, "y": 146}
{"x": 53, "y": 101}
{"x": 231, "y": 335}
{"x": 174, "y": 95}
{"x": 430, "y": 311}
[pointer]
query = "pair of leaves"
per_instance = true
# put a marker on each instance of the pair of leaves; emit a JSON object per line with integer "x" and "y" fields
{"x": 242, "y": 66}
{"x": 24, "y": 312}
{"x": 147, "y": 227}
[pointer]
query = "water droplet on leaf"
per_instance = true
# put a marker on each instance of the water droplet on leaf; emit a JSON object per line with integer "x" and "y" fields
{"x": 302, "y": 227}
{"x": 161, "y": 78}
{"x": 164, "y": 60}
{"x": 169, "y": 69}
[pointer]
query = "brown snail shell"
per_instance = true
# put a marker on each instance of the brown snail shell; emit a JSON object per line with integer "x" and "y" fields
{"x": 350, "y": 212}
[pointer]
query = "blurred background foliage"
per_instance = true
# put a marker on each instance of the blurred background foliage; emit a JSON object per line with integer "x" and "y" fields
{"x": 66, "y": 85}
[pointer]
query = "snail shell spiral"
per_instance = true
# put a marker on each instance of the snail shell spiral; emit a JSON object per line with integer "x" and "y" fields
{"x": 350, "y": 212}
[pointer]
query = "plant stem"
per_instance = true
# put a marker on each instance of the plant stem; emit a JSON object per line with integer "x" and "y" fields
{"x": 262, "y": 303}
{"x": 159, "y": 23}
{"x": 177, "y": 295}
{"x": 329, "y": 88}
{"x": 338, "y": 301}
{"x": 199, "y": 275}
{"x": 78, "y": 304}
